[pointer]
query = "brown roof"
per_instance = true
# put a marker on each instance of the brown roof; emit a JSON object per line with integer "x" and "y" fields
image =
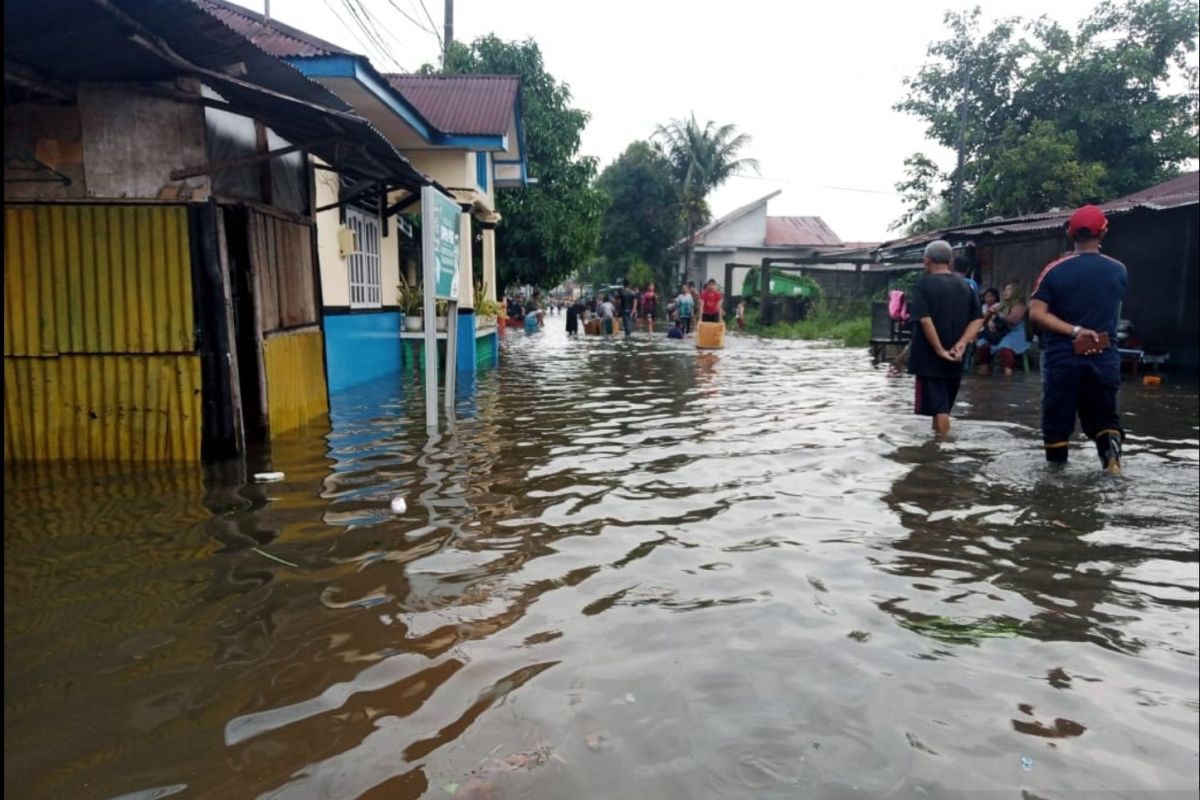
{"x": 281, "y": 41}
{"x": 799, "y": 232}
{"x": 1168, "y": 194}
{"x": 464, "y": 104}
{"x": 1180, "y": 191}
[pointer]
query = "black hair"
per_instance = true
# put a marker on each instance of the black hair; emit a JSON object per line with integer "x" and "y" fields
{"x": 962, "y": 265}
{"x": 992, "y": 289}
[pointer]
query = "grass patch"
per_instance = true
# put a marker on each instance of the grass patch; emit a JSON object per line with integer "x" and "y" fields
{"x": 846, "y": 323}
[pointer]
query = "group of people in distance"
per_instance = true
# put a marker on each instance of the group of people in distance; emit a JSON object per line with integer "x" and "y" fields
{"x": 1075, "y": 304}
{"x": 633, "y": 306}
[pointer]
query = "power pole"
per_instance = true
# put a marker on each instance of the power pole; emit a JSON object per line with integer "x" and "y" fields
{"x": 962, "y": 148}
{"x": 449, "y": 35}
{"x": 266, "y": 10}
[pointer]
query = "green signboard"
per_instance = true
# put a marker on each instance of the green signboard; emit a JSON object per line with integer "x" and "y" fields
{"x": 439, "y": 221}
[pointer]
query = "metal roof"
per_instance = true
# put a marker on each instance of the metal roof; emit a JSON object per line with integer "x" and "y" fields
{"x": 799, "y": 232}
{"x": 462, "y": 104}
{"x": 273, "y": 36}
{"x": 185, "y": 40}
{"x": 1183, "y": 190}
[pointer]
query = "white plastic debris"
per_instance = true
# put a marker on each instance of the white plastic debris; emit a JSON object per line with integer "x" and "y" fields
{"x": 399, "y": 506}
{"x": 268, "y": 477}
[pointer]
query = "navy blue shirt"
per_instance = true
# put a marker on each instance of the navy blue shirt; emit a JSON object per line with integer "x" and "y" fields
{"x": 1084, "y": 289}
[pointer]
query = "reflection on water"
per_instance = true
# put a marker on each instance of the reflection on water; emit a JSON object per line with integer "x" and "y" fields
{"x": 627, "y": 570}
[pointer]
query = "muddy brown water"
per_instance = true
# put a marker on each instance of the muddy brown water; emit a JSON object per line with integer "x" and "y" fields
{"x": 628, "y": 571}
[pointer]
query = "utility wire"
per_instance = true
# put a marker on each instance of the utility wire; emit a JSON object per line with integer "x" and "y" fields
{"x": 433, "y": 25}
{"x": 817, "y": 185}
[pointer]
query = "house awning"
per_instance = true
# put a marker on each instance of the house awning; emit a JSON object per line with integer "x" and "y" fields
{"x": 152, "y": 41}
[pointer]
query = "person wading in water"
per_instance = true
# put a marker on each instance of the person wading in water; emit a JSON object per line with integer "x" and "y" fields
{"x": 946, "y": 319}
{"x": 1076, "y": 302}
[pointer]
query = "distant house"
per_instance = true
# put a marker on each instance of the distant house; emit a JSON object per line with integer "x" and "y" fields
{"x": 1153, "y": 231}
{"x": 466, "y": 132}
{"x": 747, "y": 235}
{"x": 162, "y": 293}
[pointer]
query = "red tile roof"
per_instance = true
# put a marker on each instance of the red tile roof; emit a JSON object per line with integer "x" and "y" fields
{"x": 463, "y": 104}
{"x": 799, "y": 232}
{"x": 272, "y": 36}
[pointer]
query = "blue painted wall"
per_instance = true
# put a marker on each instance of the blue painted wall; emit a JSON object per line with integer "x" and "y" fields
{"x": 361, "y": 347}
{"x": 465, "y": 362}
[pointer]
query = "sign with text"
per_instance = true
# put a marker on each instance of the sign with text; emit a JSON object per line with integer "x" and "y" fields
{"x": 440, "y": 234}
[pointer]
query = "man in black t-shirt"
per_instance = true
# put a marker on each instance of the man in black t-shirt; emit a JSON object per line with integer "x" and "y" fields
{"x": 946, "y": 319}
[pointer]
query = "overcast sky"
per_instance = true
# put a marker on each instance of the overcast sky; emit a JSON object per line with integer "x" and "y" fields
{"x": 813, "y": 85}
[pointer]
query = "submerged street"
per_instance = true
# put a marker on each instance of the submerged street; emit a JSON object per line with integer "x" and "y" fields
{"x": 629, "y": 570}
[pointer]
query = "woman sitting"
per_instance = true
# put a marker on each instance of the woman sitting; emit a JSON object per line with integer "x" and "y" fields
{"x": 1003, "y": 336}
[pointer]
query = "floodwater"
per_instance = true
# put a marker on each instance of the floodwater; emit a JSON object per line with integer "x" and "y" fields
{"x": 629, "y": 571}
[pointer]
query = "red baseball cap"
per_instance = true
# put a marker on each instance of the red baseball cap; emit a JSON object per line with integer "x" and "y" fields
{"x": 1087, "y": 218}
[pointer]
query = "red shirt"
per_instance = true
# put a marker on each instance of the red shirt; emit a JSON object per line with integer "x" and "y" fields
{"x": 710, "y": 300}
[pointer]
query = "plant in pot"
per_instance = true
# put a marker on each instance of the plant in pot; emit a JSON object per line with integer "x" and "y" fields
{"x": 486, "y": 309}
{"x": 442, "y": 311}
{"x": 411, "y": 304}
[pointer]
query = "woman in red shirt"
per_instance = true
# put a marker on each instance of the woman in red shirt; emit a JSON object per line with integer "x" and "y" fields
{"x": 710, "y": 302}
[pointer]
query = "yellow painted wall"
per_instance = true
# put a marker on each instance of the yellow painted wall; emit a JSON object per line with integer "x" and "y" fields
{"x": 454, "y": 169}
{"x": 335, "y": 276}
{"x": 99, "y": 360}
{"x": 124, "y": 408}
{"x": 296, "y": 390}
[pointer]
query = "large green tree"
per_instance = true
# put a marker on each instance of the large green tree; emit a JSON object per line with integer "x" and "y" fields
{"x": 553, "y": 226}
{"x": 702, "y": 158}
{"x": 642, "y": 222}
{"x": 1054, "y": 116}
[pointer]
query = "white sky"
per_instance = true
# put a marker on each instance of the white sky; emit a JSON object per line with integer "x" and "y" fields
{"x": 813, "y": 85}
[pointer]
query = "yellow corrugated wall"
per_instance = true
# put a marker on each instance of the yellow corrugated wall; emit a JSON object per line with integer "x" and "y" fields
{"x": 99, "y": 360}
{"x": 296, "y": 391}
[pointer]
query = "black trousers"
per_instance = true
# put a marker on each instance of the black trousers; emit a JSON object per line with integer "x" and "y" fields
{"x": 1080, "y": 386}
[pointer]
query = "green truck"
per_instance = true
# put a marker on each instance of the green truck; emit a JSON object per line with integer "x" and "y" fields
{"x": 783, "y": 284}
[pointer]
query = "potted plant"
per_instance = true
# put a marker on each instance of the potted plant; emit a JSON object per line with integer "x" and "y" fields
{"x": 411, "y": 305}
{"x": 442, "y": 311}
{"x": 486, "y": 309}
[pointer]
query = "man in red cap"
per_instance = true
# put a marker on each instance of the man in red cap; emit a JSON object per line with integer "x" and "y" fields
{"x": 1075, "y": 300}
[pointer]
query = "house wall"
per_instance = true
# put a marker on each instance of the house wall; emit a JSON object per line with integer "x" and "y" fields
{"x": 132, "y": 142}
{"x": 1160, "y": 251}
{"x": 54, "y": 135}
{"x": 100, "y": 361}
{"x": 361, "y": 345}
{"x": 454, "y": 169}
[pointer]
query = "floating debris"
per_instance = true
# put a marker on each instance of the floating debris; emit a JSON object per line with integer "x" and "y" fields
{"x": 399, "y": 505}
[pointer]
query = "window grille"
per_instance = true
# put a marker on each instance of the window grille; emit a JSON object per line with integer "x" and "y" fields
{"x": 365, "y": 288}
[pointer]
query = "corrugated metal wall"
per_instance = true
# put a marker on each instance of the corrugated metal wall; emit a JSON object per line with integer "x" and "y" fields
{"x": 99, "y": 358}
{"x": 295, "y": 369}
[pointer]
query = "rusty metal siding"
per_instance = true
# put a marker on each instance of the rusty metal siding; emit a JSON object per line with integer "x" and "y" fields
{"x": 97, "y": 279}
{"x": 295, "y": 372}
{"x": 99, "y": 360}
{"x": 122, "y": 408}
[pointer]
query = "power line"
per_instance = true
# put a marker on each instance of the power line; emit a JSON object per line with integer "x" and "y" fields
{"x": 816, "y": 185}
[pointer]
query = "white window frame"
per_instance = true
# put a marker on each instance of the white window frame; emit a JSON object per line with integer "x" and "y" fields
{"x": 363, "y": 265}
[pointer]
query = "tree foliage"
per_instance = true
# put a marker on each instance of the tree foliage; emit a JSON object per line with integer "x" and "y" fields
{"x": 552, "y": 227}
{"x": 642, "y": 222}
{"x": 1054, "y": 116}
{"x": 701, "y": 158}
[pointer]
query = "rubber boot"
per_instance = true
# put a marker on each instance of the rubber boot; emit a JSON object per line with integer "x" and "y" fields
{"x": 1057, "y": 455}
{"x": 1108, "y": 447}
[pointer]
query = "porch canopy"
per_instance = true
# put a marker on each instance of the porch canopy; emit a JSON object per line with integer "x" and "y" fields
{"x": 151, "y": 42}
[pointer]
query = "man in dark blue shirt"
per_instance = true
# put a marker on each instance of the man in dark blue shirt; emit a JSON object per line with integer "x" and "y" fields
{"x": 946, "y": 318}
{"x": 1076, "y": 299}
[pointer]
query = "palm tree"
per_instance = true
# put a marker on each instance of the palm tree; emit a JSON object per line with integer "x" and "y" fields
{"x": 701, "y": 160}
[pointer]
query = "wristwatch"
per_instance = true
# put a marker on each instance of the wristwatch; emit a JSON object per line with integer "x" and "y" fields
{"x": 1075, "y": 329}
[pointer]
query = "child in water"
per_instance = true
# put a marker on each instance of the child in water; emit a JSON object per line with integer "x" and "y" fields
{"x": 676, "y": 331}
